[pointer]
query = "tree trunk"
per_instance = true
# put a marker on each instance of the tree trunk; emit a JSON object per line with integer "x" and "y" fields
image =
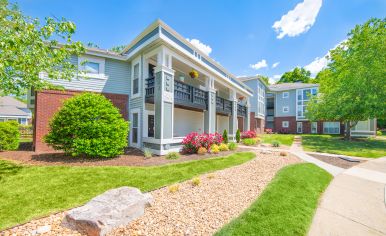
{"x": 347, "y": 134}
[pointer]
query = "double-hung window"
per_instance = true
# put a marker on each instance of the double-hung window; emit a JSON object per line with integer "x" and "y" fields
{"x": 134, "y": 129}
{"x": 285, "y": 94}
{"x": 285, "y": 124}
{"x": 331, "y": 127}
{"x": 285, "y": 109}
{"x": 303, "y": 96}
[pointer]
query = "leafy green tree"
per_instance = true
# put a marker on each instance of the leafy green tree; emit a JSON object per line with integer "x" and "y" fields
{"x": 118, "y": 49}
{"x": 265, "y": 79}
{"x": 321, "y": 75}
{"x": 296, "y": 75}
{"x": 354, "y": 88}
{"x": 28, "y": 48}
{"x": 88, "y": 124}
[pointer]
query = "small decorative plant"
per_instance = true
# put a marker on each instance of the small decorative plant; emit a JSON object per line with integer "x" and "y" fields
{"x": 193, "y": 74}
{"x": 211, "y": 176}
{"x": 174, "y": 188}
{"x": 283, "y": 154}
{"x": 238, "y": 136}
{"x": 202, "y": 151}
{"x": 248, "y": 134}
{"x": 9, "y": 135}
{"x": 193, "y": 141}
{"x": 147, "y": 153}
{"x": 173, "y": 155}
{"x": 268, "y": 131}
{"x": 214, "y": 149}
{"x": 225, "y": 136}
{"x": 196, "y": 181}
{"x": 275, "y": 143}
{"x": 223, "y": 147}
{"x": 232, "y": 146}
{"x": 250, "y": 141}
{"x": 241, "y": 98}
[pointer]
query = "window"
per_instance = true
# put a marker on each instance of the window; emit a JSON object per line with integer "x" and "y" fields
{"x": 91, "y": 67}
{"x": 136, "y": 79}
{"x": 314, "y": 127}
{"x": 303, "y": 96}
{"x": 331, "y": 127}
{"x": 150, "y": 126}
{"x": 284, "y": 124}
{"x": 22, "y": 121}
{"x": 261, "y": 99}
{"x": 134, "y": 128}
{"x": 299, "y": 127}
{"x": 285, "y": 109}
{"x": 285, "y": 94}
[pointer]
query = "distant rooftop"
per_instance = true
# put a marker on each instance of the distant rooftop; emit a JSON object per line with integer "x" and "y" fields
{"x": 290, "y": 86}
{"x": 10, "y": 106}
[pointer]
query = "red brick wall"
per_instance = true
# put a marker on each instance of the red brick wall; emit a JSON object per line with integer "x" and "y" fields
{"x": 48, "y": 102}
{"x": 257, "y": 124}
{"x": 293, "y": 124}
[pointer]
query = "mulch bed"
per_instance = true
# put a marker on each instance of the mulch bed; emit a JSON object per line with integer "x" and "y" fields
{"x": 336, "y": 161}
{"x": 132, "y": 157}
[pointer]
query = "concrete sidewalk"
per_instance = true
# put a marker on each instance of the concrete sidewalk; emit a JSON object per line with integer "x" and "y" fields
{"x": 354, "y": 202}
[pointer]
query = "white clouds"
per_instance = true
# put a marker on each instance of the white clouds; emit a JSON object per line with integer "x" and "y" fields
{"x": 317, "y": 65}
{"x": 259, "y": 65}
{"x": 275, "y": 64}
{"x": 298, "y": 20}
{"x": 274, "y": 79}
{"x": 201, "y": 46}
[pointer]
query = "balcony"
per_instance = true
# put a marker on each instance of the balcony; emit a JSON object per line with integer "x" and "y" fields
{"x": 223, "y": 106}
{"x": 185, "y": 95}
{"x": 241, "y": 110}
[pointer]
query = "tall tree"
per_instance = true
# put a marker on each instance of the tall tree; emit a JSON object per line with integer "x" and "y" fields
{"x": 296, "y": 75}
{"x": 118, "y": 49}
{"x": 28, "y": 48}
{"x": 265, "y": 79}
{"x": 353, "y": 88}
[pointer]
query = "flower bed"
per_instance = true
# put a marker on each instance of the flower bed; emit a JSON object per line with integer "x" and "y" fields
{"x": 248, "y": 134}
{"x": 193, "y": 141}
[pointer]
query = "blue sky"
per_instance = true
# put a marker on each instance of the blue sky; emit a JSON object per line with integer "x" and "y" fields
{"x": 240, "y": 34}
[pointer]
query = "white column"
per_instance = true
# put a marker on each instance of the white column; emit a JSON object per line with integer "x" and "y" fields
{"x": 210, "y": 113}
{"x": 248, "y": 116}
{"x": 233, "y": 118}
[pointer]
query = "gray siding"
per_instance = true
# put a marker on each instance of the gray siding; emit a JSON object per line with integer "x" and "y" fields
{"x": 119, "y": 77}
{"x": 253, "y": 84}
{"x": 280, "y": 102}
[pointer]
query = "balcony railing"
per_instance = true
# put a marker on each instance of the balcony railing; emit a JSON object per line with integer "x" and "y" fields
{"x": 223, "y": 106}
{"x": 184, "y": 95}
{"x": 241, "y": 110}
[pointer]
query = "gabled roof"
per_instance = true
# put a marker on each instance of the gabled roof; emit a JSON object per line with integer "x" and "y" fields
{"x": 10, "y": 106}
{"x": 290, "y": 86}
{"x": 257, "y": 77}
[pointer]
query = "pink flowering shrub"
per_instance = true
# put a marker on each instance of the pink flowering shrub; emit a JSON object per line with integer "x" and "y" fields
{"x": 268, "y": 131}
{"x": 248, "y": 134}
{"x": 193, "y": 141}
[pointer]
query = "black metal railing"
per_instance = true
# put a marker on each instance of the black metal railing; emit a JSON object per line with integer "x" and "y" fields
{"x": 241, "y": 110}
{"x": 184, "y": 95}
{"x": 223, "y": 106}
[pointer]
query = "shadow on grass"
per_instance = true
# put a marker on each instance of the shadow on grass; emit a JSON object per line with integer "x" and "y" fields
{"x": 8, "y": 169}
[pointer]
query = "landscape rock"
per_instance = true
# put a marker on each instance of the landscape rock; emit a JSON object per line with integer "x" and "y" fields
{"x": 109, "y": 210}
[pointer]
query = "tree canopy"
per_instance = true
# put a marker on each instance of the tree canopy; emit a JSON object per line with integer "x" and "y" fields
{"x": 296, "y": 75}
{"x": 352, "y": 87}
{"x": 28, "y": 48}
{"x": 118, "y": 49}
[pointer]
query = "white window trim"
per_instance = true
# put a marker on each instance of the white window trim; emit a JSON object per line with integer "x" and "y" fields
{"x": 285, "y": 95}
{"x": 146, "y": 114}
{"x": 285, "y": 122}
{"x": 331, "y": 122}
{"x": 139, "y": 137}
{"x": 99, "y": 60}
{"x": 299, "y": 125}
{"x": 316, "y": 130}
{"x": 135, "y": 62}
{"x": 284, "y": 111}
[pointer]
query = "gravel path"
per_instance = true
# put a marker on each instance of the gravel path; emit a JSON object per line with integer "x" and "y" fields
{"x": 192, "y": 210}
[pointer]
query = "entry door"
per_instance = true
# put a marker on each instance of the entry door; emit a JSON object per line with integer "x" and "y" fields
{"x": 240, "y": 122}
{"x": 150, "y": 126}
{"x": 299, "y": 127}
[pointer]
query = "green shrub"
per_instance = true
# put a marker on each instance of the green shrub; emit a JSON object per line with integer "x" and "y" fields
{"x": 250, "y": 141}
{"x": 275, "y": 143}
{"x": 379, "y": 133}
{"x": 238, "y": 136}
{"x": 147, "y": 153}
{"x": 9, "y": 135}
{"x": 232, "y": 146}
{"x": 88, "y": 124}
{"x": 225, "y": 136}
{"x": 202, "y": 151}
{"x": 223, "y": 147}
{"x": 173, "y": 155}
{"x": 196, "y": 181}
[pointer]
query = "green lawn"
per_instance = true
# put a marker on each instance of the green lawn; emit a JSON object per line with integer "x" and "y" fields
{"x": 285, "y": 139}
{"x": 32, "y": 191}
{"x": 287, "y": 205}
{"x": 372, "y": 148}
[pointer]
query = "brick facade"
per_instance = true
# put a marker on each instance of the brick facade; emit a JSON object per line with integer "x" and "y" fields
{"x": 256, "y": 124}
{"x": 293, "y": 125}
{"x": 48, "y": 102}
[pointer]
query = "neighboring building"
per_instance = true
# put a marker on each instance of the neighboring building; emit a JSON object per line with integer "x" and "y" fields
{"x": 258, "y": 103}
{"x": 150, "y": 83}
{"x": 13, "y": 109}
{"x": 285, "y": 108}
